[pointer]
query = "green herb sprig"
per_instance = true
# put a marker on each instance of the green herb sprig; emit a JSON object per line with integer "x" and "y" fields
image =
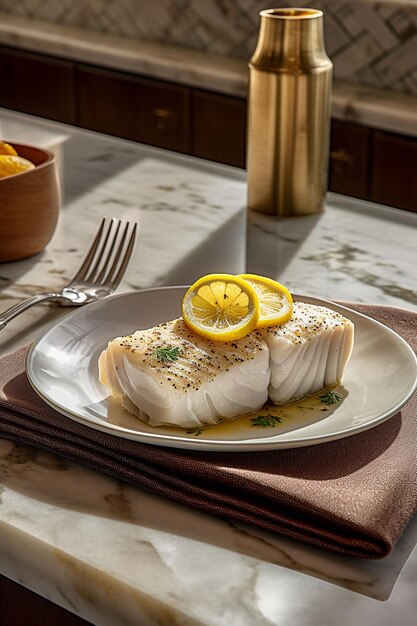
{"x": 167, "y": 354}
{"x": 195, "y": 432}
{"x": 330, "y": 397}
{"x": 266, "y": 421}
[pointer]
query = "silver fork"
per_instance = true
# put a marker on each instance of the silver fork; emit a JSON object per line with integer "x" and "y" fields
{"x": 99, "y": 275}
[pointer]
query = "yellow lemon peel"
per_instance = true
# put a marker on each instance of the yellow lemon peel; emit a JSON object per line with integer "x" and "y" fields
{"x": 11, "y": 164}
{"x": 6, "y": 148}
{"x": 275, "y": 301}
{"x": 221, "y": 307}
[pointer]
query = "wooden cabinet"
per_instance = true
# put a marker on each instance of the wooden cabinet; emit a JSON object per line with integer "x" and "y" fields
{"x": 158, "y": 113}
{"x": 152, "y": 112}
{"x": 394, "y": 171}
{"x": 37, "y": 84}
{"x": 374, "y": 165}
{"x": 350, "y": 150}
{"x": 365, "y": 163}
{"x": 218, "y": 128}
{"x": 20, "y": 607}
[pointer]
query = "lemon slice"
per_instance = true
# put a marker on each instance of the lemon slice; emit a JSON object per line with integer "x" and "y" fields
{"x": 221, "y": 307}
{"x": 6, "y": 148}
{"x": 275, "y": 301}
{"x": 10, "y": 164}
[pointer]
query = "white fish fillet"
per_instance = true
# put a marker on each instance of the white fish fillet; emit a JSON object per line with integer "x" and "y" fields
{"x": 207, "y": 381}
{"x": 308, "y": 352}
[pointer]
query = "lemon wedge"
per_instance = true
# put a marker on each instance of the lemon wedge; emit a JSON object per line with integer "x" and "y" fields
{"x": 221, "y": 307}
{"x": 11, "y": 164}
{"x": 6, "y": 148}
{"x": 275, "y": 301}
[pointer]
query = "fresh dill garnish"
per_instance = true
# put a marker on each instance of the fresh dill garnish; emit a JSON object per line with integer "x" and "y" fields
{"x": 166, "y": 354}
{"x": 330, "y": 397}
{"x": 266, "y": 420}
{"x": 195, "y": 432}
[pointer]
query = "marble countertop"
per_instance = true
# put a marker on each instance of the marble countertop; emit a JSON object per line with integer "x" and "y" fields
{"x": 369, "y": 106}
{"x": 113, "y": 554}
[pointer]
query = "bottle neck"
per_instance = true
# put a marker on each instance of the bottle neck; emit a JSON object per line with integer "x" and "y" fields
{"x": 289, "y": 38}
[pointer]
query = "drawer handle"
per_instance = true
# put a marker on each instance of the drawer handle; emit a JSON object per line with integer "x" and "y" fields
{"x": 165, "y": 119}
{"x": 341, "y": 156}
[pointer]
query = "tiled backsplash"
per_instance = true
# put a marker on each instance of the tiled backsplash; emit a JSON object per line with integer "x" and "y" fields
{"x": 370, "y": 42}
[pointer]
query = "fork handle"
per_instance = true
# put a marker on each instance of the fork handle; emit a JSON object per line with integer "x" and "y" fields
{"x": 19, "y": 308}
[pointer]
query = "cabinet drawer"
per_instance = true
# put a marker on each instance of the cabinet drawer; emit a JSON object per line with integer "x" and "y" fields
{"x": 394, "y": 172}
{"x": 349, "y": 159}
{"x": 133, "y": 108}
{"x": 218, "y": 126}
{"x": 36, "y": 84}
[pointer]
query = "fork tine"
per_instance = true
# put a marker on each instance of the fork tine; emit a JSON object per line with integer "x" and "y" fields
{"x": 107, "y": 272}
{"x": 88, "y": 259}
{"x": 81, "y": 290}
{"x": 104, "y": 252}
{"x": 115, "y": 281}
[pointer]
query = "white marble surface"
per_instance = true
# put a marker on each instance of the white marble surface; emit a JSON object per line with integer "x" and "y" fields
{"x": 370, "y": 106}
{"x": 117, "y": 556}
{"x": 355, "y": 251}
{"x": 376, "y": 108}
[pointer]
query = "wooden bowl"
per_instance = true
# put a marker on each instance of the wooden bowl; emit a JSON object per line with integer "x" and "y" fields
{"x": 29, "y": 205}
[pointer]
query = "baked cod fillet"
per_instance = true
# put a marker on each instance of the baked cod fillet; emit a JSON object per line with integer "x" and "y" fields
{"x": 169, "y": 375}
{"x": 308, "y": 352}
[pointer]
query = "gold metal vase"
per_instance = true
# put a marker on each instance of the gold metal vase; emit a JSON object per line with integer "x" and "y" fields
{"x": 290, "y": 78}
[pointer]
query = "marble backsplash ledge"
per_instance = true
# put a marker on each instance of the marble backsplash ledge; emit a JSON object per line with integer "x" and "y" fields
{"x": 370, "y": 42}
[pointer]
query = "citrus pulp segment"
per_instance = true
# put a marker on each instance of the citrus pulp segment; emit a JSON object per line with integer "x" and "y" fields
{"x": 275, "y": 301}
{"x": 221, "y": 307}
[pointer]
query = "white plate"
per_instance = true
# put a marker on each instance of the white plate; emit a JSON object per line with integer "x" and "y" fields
{"x": 62, "y": 367}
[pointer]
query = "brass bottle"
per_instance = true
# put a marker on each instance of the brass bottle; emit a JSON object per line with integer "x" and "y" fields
{"x": 289, "y": 114}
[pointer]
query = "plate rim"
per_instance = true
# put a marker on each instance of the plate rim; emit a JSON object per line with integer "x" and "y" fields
{"x": 213, "y": 445}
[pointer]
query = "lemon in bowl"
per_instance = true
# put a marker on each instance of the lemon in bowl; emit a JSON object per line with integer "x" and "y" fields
{"x": 30, "y": 199}
{"x": 7, "y": 148}
{"x": 11, "y": 164}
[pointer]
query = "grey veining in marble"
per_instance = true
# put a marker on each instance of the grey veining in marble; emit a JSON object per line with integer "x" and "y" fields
{"x": 115, "y": 555}
{"x": 356, "y": 252}
{"x": 180, "y": 204}
{"x": 118, "y": 556}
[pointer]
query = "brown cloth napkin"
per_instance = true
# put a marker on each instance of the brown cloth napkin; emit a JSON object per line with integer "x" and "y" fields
{"x": 354, "y": 496}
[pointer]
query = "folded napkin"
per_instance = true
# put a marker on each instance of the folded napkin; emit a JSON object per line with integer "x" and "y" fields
{"x": 354, "y": 496}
